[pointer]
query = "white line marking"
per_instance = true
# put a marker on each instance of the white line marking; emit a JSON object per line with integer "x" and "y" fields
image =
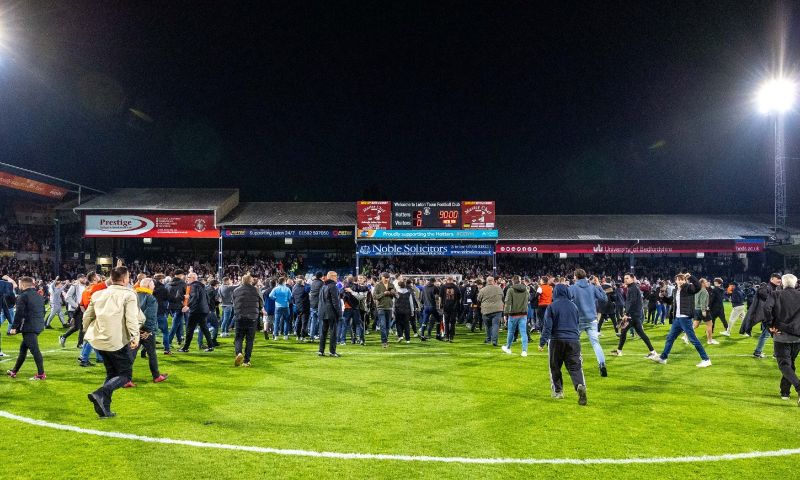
{"x": 10, "y": 358}
{"x": 401, "y": 458}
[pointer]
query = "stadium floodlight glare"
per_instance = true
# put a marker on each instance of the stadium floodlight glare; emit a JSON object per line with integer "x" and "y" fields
{"x": 776, "y": 96}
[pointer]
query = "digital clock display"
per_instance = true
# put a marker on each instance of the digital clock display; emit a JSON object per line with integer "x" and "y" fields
{"x": 426, "y": 215}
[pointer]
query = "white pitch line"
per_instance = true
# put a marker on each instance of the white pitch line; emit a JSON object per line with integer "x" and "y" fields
{"x": 401, "y": 458}
{"x": 10, "y": 358}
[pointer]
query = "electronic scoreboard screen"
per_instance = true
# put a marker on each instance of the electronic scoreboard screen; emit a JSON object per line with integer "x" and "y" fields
{"x": 426, "y": 215}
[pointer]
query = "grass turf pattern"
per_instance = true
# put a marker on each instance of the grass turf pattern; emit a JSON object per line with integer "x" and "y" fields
{"x": 464, "y": 399}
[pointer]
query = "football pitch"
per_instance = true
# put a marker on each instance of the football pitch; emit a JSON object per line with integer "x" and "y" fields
{"x": 423, "y": 410}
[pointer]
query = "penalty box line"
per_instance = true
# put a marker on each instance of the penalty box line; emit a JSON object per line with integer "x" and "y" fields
{"x": 400, "y": 458}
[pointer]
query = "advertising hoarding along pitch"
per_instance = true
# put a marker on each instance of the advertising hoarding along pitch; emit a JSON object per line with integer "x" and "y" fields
{"x": 32, "y": 186}
{"x": 478, "y": 215}
{"x": 148, "y": 225}
{"x": 287, "y": 233}
{"x": 374, "y": 215}
{"x": 375, "y": 249}
{"x": 427, "y": 234}
{"x": 641, "y": 248}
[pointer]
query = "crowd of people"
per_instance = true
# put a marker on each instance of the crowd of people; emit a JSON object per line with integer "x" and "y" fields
{"x": 124, "y": 315}
{"x": 26, "y": 238}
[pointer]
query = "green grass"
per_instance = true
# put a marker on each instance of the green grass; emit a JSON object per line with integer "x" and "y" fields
{"x": 463, "y": 399}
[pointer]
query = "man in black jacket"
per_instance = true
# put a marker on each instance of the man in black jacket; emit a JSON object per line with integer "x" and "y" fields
{"x": 633, "y": 316}
{"x": 247, "y": 306}
{"x": 29, "y": 321}
{"x": 177, "y": 290}
{"x": 451, "y": 302}
{"x": 196, "y": 306}
{"x": 313, "y": 299}
{"x": 683, "y": 308}
{"x": 330, "y": 311}
{"x": 716, "y": 305}
{"x": 757, "y": 313}
{"x": 302, "y": 306}
{"x": 783, "y": 321}
{"x": 162, "y": 299}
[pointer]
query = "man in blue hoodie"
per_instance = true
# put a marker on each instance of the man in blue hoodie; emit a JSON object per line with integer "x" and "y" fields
{"x": 561, "y": 334}
{"x": 283, "y": 297}
{"x": 585, "y": 295}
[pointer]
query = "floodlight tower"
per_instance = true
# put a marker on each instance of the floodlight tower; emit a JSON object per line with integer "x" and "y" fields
{"x": 776, "y": 98}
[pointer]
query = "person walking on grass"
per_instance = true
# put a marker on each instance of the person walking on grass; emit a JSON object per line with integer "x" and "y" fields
{"x": 490, "y": 298}
{"x": 737, "y": 313}
{"x": 384, "y": 295}
{"x": 701, "y": 313}
{"x": 686, "y": 286}
{"x": 757, "y": 313}
{"x": 561, "y": 334}
{"x": 283, "y": 297}
{"x": 330, "y": 311}
{"x": 633, "y": 317}
{"x": 516, "y": 307}
{"x": 147, "y": 335}
{"x": 405, "y": 306}
{"x": 112, "y": 324}
{"x": 716, "y": 305}
{"x": 29, "y": 321}
{"x": 450, "y": 296}
{"x": 56, "y": 304}
{"x": 248, "y": 304}
{"x": 586, "y": 296}
{"x": 783, "y": 321}
{"x": 75, "y": 297}
{"x": 196, "y": 306}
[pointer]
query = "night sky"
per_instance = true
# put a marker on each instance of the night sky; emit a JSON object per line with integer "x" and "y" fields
{"x": 556, "y": 107}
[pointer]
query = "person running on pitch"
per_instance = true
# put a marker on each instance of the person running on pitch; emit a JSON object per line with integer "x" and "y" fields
{"x": 112, "y": 325}
{"x": 586, "y": 296}
{"x": 29, "y": 321}
{"x": 147, "y": 335}
{"x": 562, "y": 335}
{"x": 686, "y": 287}
{"x": 738, "y": 311}
{"x": 633, "y": 316}
{"x": 701, "y": 313}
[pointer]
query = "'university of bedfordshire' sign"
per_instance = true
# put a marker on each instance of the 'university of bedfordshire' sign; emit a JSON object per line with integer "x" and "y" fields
{"x": 286, "y": 233}
{"x": 640, "y": 248}
{"x": 427, "y": 234}
{"x": 148, "y": 225}
{"x": 374, "y": 249}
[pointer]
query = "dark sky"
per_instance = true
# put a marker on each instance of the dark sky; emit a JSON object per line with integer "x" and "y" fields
{"x": 556, "y": 107}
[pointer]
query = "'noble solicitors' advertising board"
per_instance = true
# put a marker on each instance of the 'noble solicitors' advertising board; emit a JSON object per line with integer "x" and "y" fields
{"x": 151, "y": 226}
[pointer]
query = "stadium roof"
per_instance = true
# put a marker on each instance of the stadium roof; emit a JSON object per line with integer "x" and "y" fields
{"x": 219, "y": 200}
{"x": 630, "y": 227}
{"x": 253, "y": 214}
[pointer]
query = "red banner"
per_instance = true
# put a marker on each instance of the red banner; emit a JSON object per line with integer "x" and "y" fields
{"x": 478, "y": 215}
{"x": 374, "y": 215}
{"x": 640, "y": 248}
{"x": 148, "y": 225}
{"x": 32, "y": 186}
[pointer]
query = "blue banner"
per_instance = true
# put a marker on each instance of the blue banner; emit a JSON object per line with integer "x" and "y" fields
{"x": 287, "y": 233}
{"x": 428, "y": 234}
{"x": 377, "y": 249}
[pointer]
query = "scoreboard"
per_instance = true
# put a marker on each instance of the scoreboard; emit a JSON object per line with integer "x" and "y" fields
{"x": 429, "y": 216}
{"x": 426, "y": 215}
